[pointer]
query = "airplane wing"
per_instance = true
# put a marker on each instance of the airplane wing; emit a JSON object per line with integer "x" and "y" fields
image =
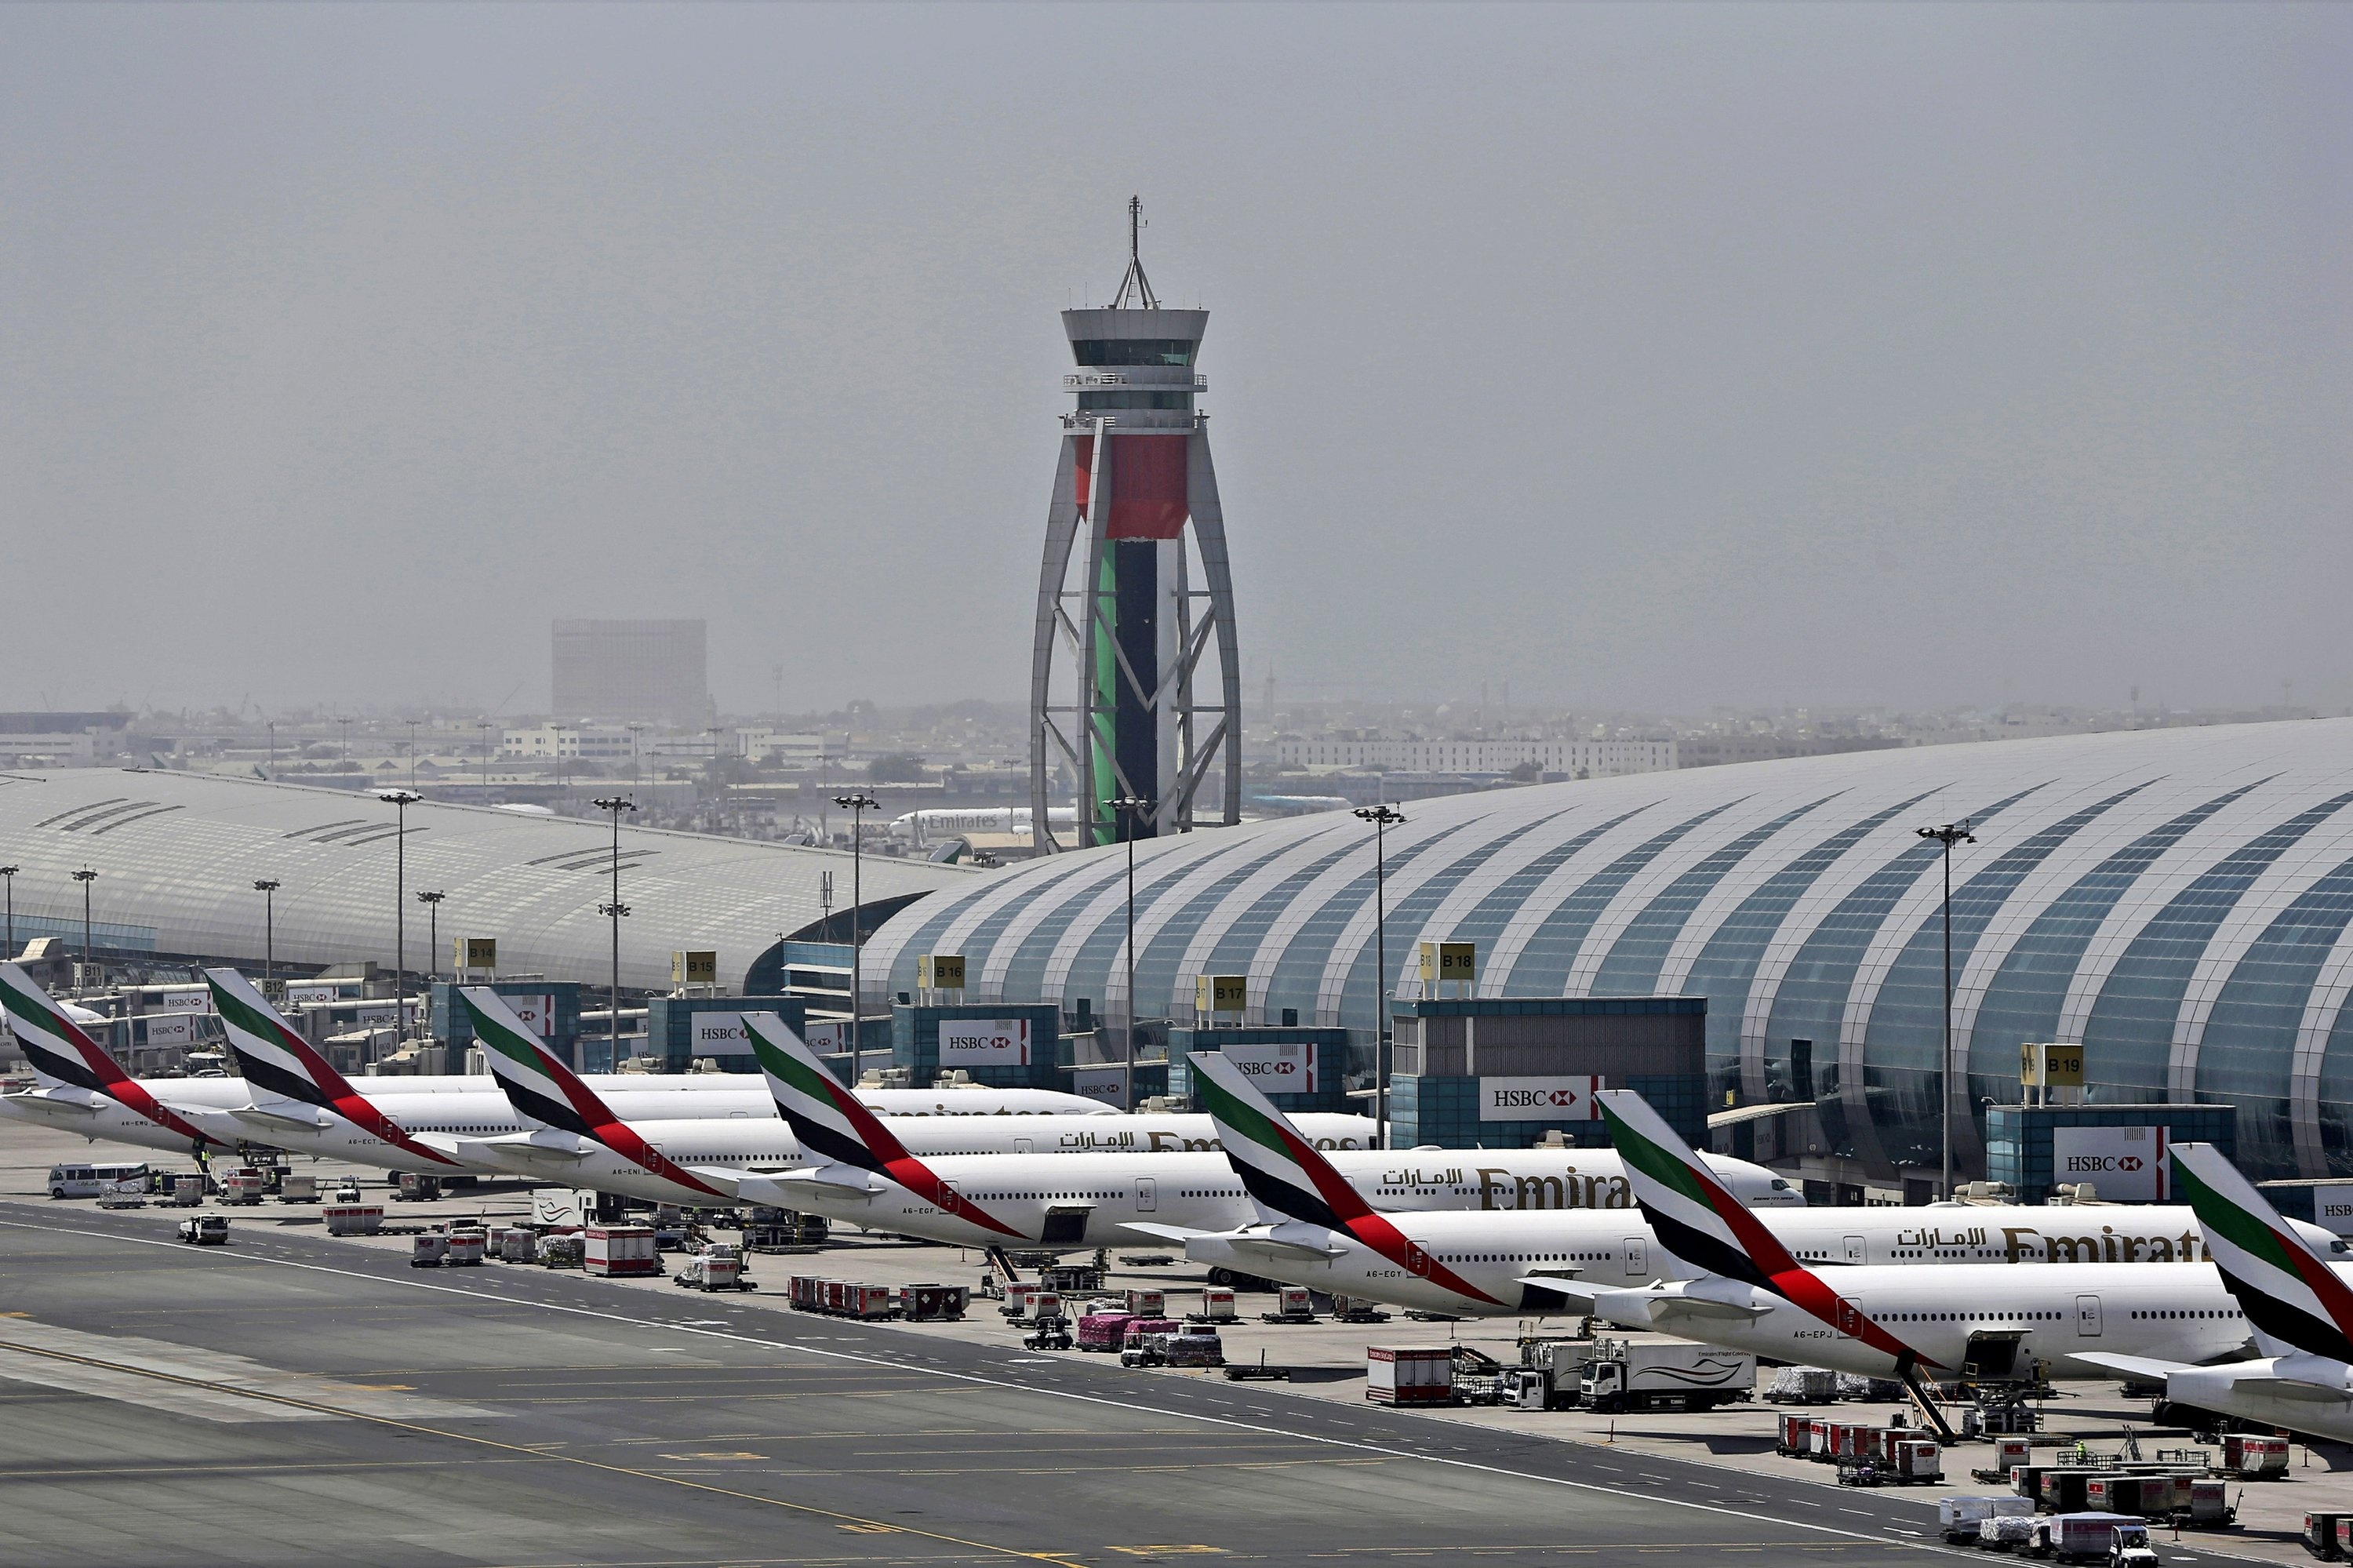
{"x": 1280, "y": 1248}
{"x": 283, "y": 1114}
{"x": 810, "y": 1180}
{"x": 1579, "y": 1295}
{"x": 46, "y": 1103}
{"x": 1176, "y": 1233}
{"x": 2141, "y": 1367}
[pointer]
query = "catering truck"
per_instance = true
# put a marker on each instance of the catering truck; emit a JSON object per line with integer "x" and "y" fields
{"x": 1622, "y": 1375}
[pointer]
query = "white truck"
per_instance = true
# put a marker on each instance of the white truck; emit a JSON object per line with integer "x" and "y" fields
{"x": 1622, "y": 1375}
{"x": 2118, "y": 1540}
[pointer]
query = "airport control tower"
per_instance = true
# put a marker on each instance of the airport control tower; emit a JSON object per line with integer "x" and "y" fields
{"x": 1119, "y": 685}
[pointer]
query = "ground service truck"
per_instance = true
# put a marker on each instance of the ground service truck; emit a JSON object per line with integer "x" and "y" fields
{"x": 1622, "y": 1376}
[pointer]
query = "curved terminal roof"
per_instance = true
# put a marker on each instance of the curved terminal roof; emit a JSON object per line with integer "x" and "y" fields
{"x": 177, "y": 855}
{"x": 2178, "y": 900}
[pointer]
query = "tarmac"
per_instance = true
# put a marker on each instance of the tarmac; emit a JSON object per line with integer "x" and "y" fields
{"x": 293, "y": 1398}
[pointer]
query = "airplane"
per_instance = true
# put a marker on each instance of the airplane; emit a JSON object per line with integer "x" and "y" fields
{"x": 2299, "y": 1303}
{"x": 1739, "y": 1288}
{"x": 301, "y": 1104}
{"x": 81, "y": 1088}
{"x": 860, "y": 1171}
{"x": 1308, "y": 1233}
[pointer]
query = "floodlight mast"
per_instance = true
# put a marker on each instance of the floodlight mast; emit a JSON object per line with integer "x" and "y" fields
{"x": 1116, "y": 702}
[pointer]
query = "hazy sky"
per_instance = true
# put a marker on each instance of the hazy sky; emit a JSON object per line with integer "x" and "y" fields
{"x": 1662, "y": 355}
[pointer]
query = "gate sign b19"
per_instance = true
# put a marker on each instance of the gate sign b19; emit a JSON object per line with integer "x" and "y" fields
{"x": 1540, "y": 1099}
{"x": 984, "y": 1042}
{"x": 2123, "y": 1164}
{"x": 1283, "y": 1068}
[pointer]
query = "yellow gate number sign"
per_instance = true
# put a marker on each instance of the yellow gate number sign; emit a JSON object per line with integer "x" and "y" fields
{"x": 477, "y": 952}
{"x": 694, "y": 969}
{"x": 2050, "y": 1065}
{"x": 940, "y": 971}
{"x": 1220, "y": 993}
{"x": 1442, "y": 962}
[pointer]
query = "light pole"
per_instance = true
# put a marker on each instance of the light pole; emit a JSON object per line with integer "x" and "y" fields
{"x": 273, "y": 750}
{"x": 1948, "y": 835}
{"x": 613, "y": 805}
{"x": 432, "y": 901}
{"x": 1129, "y": 806}
{"x": 1383, "y": 817}
{"x": 857, "y": 806}
{"x": 486, "y": 761}
{"x": 85, "y": 877}
{"x": 8, "y": 874}
{"x": 268, "y": 888}
{"x": 400, "y": 800}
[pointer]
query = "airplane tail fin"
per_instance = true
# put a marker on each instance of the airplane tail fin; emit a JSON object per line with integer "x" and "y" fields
{"x": 832, "y": 1125}
{"x": 2292, "y": 1299}
{"x": 1279, "y": 1167}
{"x": 1695, "y": 1216}
{"x": 62, "y": 1052}
{"x": 829, "y": 1120}
{"x": 538, "y": 1084}
{"x": 272, "y": 1055}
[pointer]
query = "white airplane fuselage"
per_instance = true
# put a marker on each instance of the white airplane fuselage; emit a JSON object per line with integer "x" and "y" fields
{"x": 2174, "y": 1311}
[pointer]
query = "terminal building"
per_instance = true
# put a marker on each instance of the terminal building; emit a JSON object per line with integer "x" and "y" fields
{"x": 2179, "y": 901}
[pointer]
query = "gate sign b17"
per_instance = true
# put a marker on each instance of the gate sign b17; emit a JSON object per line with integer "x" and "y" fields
{"x": 1540, "y": 1099}
{"x": 1284, "y": 1067}
{"x": 984, "y": 1042}
{"x": 2124, "y": 1164}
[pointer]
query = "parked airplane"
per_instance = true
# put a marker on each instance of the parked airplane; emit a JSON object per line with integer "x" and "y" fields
{"x": 1309, "y": 1231}
{"x": 2299, "y": 1305}
{"x": 80, "y": 1087}
{"x": 1741, "y": 1288}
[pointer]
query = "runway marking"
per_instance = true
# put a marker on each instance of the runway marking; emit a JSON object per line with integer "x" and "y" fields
{"x": 1101, "y": 1401}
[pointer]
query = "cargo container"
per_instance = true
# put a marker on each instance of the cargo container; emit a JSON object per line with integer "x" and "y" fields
{"x": 187, "y": 1192}
{"x": 2082, "y": 1537}
{"x": 1192, "y": 1347}
{"x": 933, "y": 1303}
{"x": 616, "y": 1250}
{"x": 1216, "y": 1307}
{"x": 293, "y": 1189}
{"x": 1103, "y": 1331}
{"x": 1409, "y": 1374}
{"x": 517, "y": 1245}
{"x": 2208, "y": 1506}
{"x": 427, "y": 1250}
{"x": 244, "y": 1185}
{"x": 1148, "y": 1303}
{"x": 418, "y": 1187}
{"x": 2256, "y": 1458}
{"x": 2007, "y": 1532}
{"x": 1796, "y": 1435}
{"x": 718, "y": 1266}
{"x": 1802, "y": 1386}
{"x": 1292, "y": 1304}
{"x": 466, "y": 1248}
{"x": 2344, "y": 1533}
{"x": 1959, "y": 1517}
{"x": 2320, "y": 1535}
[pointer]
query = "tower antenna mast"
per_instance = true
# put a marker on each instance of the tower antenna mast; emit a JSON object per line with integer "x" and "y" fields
{"x": 1133, "y": 281}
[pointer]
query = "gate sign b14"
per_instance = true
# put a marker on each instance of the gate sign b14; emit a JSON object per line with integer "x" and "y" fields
{"x": 1283, "y": 1068}
{"x": 2123, "y": 1164}
{"x": 984, "y": 1042}
{"x": 1540, "y": 1099}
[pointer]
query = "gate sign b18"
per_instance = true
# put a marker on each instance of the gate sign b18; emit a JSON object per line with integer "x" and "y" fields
{"x": 984, "y": 1042}
{"x": 2123, "y": 1164}
{"x": 1540, "y": 1099}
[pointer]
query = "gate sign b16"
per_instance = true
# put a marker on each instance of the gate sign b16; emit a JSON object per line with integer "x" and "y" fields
{"x": 1283, "y": 1068}
{"x": 2124, "y": 1164}
{"x": 984, "y": 1042}
{"x": 1540, "y": 1099}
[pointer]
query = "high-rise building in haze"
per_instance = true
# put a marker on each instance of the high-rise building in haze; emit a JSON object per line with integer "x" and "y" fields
{"x": 1120, "y": 619}
{"x": 652, "y": 672}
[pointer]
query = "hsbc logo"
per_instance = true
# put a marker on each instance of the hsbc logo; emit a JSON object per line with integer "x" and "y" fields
{"x": 1539, "y": 1099}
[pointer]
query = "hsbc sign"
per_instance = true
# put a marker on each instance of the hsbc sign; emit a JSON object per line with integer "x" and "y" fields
{"x": 1539, "y": 1099}
{"x": 1285, "y": 1068}
{"x": 2124, "y": 1164}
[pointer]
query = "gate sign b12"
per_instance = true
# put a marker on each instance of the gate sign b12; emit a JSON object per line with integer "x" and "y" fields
{"x": 2124, "y": 1164}
{"x": 1540, "y": 1099}
{"x": 984, "y": 1042}
{"x": 1283, "y": 1067}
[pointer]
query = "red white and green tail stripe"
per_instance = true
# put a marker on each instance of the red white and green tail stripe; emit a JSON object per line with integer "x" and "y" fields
{"x": 832, "y": 1125}
{"x": 2289, "y": 1293}
{"x": 278, "y": 1060}
{"x": 1701, "y": 1222}
{"x": 1289, "y": 1180}
{"x": 60, "y": 1049}
{"x": 543, "y": 1089}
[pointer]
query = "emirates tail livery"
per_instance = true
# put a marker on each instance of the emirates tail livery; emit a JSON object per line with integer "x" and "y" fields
{"x": 2300, "y": 1307}
{"x": 1744, "y": 1290}
{"x": 82, "y": 1089}
{"x": 299, "y": 1101}
{"x": 573, "y": 1121}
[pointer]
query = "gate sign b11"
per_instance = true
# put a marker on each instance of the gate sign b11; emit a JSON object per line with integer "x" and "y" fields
{"x": 2123, "y": 1164}
{"x": 1283, "y": 1068}
{"x": 1540, "y": 1099}
{"x": 984, "y": 1042}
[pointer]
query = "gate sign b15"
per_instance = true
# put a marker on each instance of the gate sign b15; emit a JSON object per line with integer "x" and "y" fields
{"x": 1283, "y": 1068}
{"x": 1540, "y": 1099}
{"x": 2123, "y": 1164}
{"x": 984, "y": 1042}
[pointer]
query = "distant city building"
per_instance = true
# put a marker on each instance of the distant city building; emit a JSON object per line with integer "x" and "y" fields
{"x": 1715, "y": 751}
{"x": 652, "y": 672}
{"x": 59, "y": 740}
{"x": 562, "y": 742}
{"x": 768, "y": 745}
{"x": 1573, "y": 759}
